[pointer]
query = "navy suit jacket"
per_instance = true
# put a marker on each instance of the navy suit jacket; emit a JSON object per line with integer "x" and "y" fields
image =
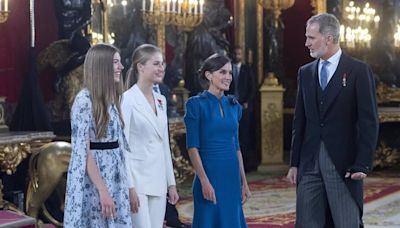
{"x": 348, "y": 124}
{"x": 247, "y": 85}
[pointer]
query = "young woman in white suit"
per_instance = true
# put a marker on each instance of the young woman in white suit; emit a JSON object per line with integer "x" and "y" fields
{"x": 146, "y": 128}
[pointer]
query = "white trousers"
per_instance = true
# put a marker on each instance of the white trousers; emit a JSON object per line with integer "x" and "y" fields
{"x": 151, "y": 212}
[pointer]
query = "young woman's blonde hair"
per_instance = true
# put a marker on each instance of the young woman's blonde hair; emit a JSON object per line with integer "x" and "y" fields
{"x": 98, "y": 78}
{"x": 141, "y": 55}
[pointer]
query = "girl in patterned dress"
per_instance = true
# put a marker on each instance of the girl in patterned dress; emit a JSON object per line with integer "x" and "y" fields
{"x": 97, "y": 186}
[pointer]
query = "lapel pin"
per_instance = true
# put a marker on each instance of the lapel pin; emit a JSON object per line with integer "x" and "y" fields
{"x": 160, "y": 105}
{"x": 344, "y": 80}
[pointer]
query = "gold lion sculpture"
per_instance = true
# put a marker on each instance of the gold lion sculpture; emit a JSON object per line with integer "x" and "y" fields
{"x": 49, "y": 164}
{"x": 47, "y": 170}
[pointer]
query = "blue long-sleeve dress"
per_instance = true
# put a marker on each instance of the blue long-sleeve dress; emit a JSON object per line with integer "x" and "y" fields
{"x": 216, "y": 138}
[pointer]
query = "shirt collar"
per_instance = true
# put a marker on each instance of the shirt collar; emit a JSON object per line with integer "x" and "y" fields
{"x": 334, "y": 59}
{"x": 237, "y": 64}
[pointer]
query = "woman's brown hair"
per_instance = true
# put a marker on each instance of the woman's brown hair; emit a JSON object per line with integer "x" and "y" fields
{"x": 98, "y": 78}
{"x": 141, "y": 55}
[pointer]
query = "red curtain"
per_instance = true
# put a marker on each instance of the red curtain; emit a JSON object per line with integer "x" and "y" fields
{"x": 15, "y": 43}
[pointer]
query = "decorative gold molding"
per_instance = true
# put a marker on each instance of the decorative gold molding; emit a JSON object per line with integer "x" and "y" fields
{"x": 3, "y": 126}
{"x": 386, "y": 94}
{"x": 319, "y": 6}
{"x": 240, "y": 25}
{"x": 104, "y": 18}
{"x": 260, "y": 43}
{"x": 182, "y": 167}
{"x": 271, "y": 121}
{"x": 11, "y": 155}
{"x": 389, "y": 114}
{"x": 14, "y": 148}
{"x": 272, "y": 129}
{"x": 386, "y": 156}
{"x": 161, "y": 37}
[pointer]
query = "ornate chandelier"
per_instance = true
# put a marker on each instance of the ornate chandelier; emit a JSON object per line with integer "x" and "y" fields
{"x": 358, "y": 25}
{"x": 185, "y": 14}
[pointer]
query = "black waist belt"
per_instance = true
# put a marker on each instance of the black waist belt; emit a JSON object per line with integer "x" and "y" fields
{"x": 103, "y": 145}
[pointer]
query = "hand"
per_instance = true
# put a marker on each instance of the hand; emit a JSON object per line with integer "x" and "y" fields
{"x": 246, "y": 194}
{"x": 356, "y": 176}
{"x": 134, "y": 200}
{"x": 208, "y": 191}
{"x": 107, "y": 204}
{"x": 292, "y": 175}
{"x": 245, "y": 105}
{"x": 173, "y": 196}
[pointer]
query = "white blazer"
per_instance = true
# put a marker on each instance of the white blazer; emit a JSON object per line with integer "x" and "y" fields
{"x": 150, "y": 163}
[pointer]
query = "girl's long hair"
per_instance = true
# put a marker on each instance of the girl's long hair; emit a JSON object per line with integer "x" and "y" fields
{"x": 98, "y": 78}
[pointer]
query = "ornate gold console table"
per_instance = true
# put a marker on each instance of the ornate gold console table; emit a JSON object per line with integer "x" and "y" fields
{"x": 389, "y": 114}
{"x": 387, "y": 156}
{"x": 15, "y": 147}
{"x": 182, "y": 167}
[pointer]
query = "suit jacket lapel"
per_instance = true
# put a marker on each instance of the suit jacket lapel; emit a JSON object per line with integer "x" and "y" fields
{"x": 161, "y": 106}
{"x": 311, "y": 86}
{"x": 142, "y": 105}
{"x": 335, "y": 85}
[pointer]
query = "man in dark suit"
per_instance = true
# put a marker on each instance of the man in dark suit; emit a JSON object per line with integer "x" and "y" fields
{"x": 243, "y": 87}
{"x": 335, "y": 130}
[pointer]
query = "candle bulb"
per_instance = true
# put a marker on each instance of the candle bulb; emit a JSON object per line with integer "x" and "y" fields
{"x": 195, "y": 7}
{"x": 179, "y": 6}
{"x": 1, "y": 4}
{"x": 173, "y": 6}
{"x": 162, "y": 5}
{"x": 144, "y": 5}
{"x": 201, "y": 6}
{"x": 6, "y": 5}
{"x": 151, "y": 5}
{"x": 168, "y": 5}
{"x": 124, "y": 3}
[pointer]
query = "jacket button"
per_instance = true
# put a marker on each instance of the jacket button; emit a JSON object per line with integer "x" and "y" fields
{"x": 322, "y": 102}
{"x": 322, "y": 125}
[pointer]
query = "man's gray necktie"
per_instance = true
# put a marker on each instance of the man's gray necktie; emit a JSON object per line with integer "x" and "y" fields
{"x": 236, "y": 80}
{"x": 324, "y": 75}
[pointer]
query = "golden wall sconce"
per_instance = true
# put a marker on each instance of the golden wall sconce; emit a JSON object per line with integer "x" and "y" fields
{"x": 4, "y": 11}
{"x": 276, "y": 6}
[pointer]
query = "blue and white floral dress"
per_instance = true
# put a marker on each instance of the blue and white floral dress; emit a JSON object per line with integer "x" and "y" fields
{"x": 82, "y": 203}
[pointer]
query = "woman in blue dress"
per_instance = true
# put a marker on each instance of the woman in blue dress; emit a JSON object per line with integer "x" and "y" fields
{"x": 97, "y": 192}
{"x": 212, "y": 119}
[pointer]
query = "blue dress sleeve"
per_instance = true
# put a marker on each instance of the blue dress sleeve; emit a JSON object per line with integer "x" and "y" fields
{"x": 239, "y": 116}
{"x": 192, "y": 123}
